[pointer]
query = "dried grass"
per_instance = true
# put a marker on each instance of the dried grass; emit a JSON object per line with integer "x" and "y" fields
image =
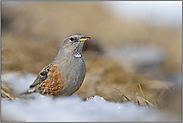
{"x": 7, "y": 91}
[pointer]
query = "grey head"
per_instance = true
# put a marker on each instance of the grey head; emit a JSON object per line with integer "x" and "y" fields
{"x": 72, "y": 46}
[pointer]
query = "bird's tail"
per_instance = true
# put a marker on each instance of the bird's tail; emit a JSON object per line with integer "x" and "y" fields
{"x": 31, "y": 90}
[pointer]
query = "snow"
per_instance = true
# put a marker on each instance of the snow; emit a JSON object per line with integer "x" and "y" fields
{"x": 74, "y": 108}
{"x": 19, "y": 81}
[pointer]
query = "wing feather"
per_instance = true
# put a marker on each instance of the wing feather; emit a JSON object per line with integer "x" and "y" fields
{"x": 41, "y": 77}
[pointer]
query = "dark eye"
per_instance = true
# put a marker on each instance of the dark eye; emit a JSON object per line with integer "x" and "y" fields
{"x": 71, "y": 38}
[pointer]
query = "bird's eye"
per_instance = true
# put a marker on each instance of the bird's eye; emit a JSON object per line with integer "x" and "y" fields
{"x": 71, "y": 38}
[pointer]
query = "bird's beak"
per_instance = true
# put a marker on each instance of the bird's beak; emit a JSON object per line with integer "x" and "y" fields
{"x": 84, "y": 38}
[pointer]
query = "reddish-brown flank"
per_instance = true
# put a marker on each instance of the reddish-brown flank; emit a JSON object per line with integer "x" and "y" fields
{"x": 54, "y": 83}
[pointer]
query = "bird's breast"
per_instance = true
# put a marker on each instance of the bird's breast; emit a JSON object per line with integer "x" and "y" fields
{"x": 64, "y": 78}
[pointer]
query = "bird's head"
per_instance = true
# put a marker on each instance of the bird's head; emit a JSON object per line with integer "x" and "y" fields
{"x": 73, "y": 44}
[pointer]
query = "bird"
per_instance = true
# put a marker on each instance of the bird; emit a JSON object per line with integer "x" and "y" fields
{"x": 64, "y": 75}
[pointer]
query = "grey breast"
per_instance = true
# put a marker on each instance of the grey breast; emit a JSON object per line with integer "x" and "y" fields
{"x": 75, "y": 70}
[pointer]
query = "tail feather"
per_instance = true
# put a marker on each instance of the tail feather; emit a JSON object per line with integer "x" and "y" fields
{"x": 31, "y": 90}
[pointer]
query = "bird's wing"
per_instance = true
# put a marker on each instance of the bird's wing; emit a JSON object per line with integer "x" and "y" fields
{"x": 41, "y": 77}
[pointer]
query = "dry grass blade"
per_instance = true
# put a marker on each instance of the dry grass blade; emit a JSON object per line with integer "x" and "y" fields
{"x": 127, "y": 98}
{"x": 138, "y": 103}
{"x": 148, "y": 102}
{"x": 123, "y": 95}
{"x": 167, "y": 102}
{"x": 4, "y": 87}
{"x": 141, "y": 91}
{"x": 168, "y": 88}
{"x": 158, "y": 105}
{"x": 173, "y": 89}
{"x": 143, "y": 94}
{"x": 117, "y": 90}
{"x": 160, "y": 95}
{"x": 6, "y": 91}
{"x": 7, "y": 94}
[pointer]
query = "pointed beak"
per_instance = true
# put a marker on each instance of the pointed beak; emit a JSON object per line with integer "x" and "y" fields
{"x": 84, "y": 39}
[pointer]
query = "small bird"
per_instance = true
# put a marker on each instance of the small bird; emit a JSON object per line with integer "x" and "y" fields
{"x": 65, "y": 73}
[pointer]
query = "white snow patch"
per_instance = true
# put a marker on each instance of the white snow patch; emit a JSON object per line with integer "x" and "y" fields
{"x": 73, "y": 108}
{"x": 18, "y": 81}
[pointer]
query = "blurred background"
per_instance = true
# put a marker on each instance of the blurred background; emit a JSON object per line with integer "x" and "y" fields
{"x": 132, "y": 43}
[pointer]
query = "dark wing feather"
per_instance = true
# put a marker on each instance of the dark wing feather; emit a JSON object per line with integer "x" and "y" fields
{"x": 41, "y": 77}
